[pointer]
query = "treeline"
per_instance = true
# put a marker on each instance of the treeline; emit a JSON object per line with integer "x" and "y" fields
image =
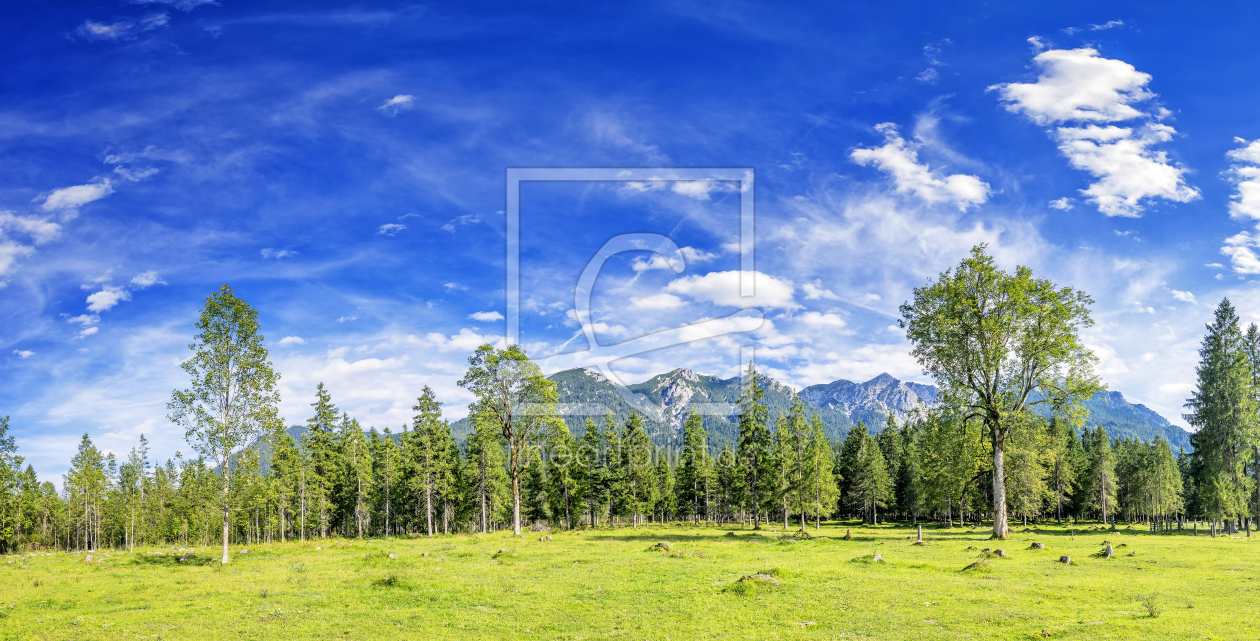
{"x": 335, "y": 479}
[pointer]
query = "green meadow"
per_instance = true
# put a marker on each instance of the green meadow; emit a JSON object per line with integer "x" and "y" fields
{"x": 620, "y": 584}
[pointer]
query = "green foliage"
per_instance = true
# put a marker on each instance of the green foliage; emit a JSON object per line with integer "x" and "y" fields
{"x": 990, "y": 339}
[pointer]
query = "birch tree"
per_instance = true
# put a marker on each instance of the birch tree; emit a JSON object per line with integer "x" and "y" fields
{"x": 232, "y": 399}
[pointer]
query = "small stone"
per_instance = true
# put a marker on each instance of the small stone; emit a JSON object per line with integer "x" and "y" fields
{"x": 425, "y": 554}
{"x": 1065, "y": 559}
{"x": 244, "y": 551}
{"x": 877, "y": 559}
{"x": 758, "y": 577}
{"x": 985, "y": 550}
{"x": 662, "y": 545}
{"x": 1037, "y": 546}
{"x": 394, "y": 556}
{"x": 1001, "y": 553}
{"x": 547, "y": 538}
{"x": 318, "y": 548}
{"x": 89, "y": 558}
{"x": 1107, "y": 552}
{"x": 500, "y": 552}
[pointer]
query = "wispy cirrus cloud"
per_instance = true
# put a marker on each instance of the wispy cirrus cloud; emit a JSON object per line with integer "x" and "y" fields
{"x": 899, "y": 158}
{"x": 121, "y": 28}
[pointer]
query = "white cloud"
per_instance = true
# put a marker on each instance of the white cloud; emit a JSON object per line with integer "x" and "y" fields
{"x": 183, "y": 5}
{"x": 135, "y": 175}
{"x": 1110, "y": 24}
{"x": 10, "y": 252}
{"x": 1062, "y": 204}
{"x": 1245, "y": 173}
{"x": 452, "y": 287}
{"x": 815, "y": 291}
{"x": 1127, "y": 168}
{"x": 88, "y": 331}
{"x": 466, "y": 340}
{"x": 657, "y": 301}
{"x": 146, "y": 279}
{"x": 346, "y": 319}
{"x": 107, "y": 298}
{"x": 389, "y": 229}
{"x": 460, "y": 221}
{"x": 121, "y": 29}
{"x": 486, "y": 317}
{"x": 818, "y": 320}
{"x": 84, "y": 319}
{"x": 900, "y": 160}
{"x": 277, "y": 253}
{"x": 1240, "y": 248}
{"x": 657, "y": 261}
{"x": 24, "y": 353}
{"x": 40, "y": 230}
{"x": 871, "y": 298}
{"x": 397, "y": 104}
{"x": 69, "y": 199}
{"x": 293, "y": 340}
{"x": 1079, "y": 86}
{"x": 723, "y": 288}
{"x": 1185, "y": 297}
{"x": 1214, "y": 265}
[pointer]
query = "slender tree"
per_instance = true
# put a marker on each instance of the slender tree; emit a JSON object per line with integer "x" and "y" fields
{"x": 232, "y": 399}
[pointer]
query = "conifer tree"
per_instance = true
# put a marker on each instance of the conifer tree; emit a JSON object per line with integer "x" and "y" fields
{"x": 320, "y": 443}
{"x": 429, "y": 452}
{"x": 692, "y": 466}
{"x": 756, "y": 446}
{"x": 819, "y": 480}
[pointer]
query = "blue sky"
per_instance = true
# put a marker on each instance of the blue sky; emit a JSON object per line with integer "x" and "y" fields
{"x": 343, "y": 167}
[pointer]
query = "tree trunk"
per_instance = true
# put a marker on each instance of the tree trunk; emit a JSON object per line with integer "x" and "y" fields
{"x": 516, "y": 502}
{"x": 1000, "y": 529}
{"x": 428, "y": 504}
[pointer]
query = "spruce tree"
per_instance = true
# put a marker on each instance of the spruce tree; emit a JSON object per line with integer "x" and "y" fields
{"x": 756, "y": 446}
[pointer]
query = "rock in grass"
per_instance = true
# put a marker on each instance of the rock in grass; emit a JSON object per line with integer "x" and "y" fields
{"x": 548, "y": 538}
{"x": 759, "y": 577}
{"x": 318, "y": 548}
{"x": 1065, "y": 559}
{"x": 394, "y": 556}
{"x": 877, "y": 559}
{"x": 1107, "y": 552}
{"x": 730, "y": 534}
{"x": 1001, "y": 553}
{"x": 243, "y": 551}
{"x": 662, "y": 545}
{"x": 1037, "y": 546}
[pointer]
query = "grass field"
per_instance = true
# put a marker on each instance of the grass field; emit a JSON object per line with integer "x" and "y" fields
{"x": 618, "y": 584}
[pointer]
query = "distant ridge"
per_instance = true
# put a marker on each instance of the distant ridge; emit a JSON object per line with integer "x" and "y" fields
{"x": 665, "y": 400}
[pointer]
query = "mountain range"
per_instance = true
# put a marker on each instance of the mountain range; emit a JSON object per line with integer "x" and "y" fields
{"x": 666, "y": 399}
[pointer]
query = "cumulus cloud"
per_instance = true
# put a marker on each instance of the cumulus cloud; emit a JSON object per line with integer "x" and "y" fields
{"x": 122, "y": 28}
{"x": 1127, "y": 169}
{"x": 107, "y": 298}
{"x": 1185, "y": 297}
{"x": 455, "y": 287}
{"x": 397, "y": 104}
{"x": 819, "y": 320}
{"x": 486, "y": 317}
{"x": 1244, "y": 171}
{"x": 1081, "y": 87}
{"x": 277, "y": 253}
{"x": 1062, "y": 204}
{"x": 23, "y": 353}
{"x": 389, "y": 229}
{"x": 657, "y": 301}
{"x": 88, "y": 331}
{"x": 70, "y": 199}
{"x": 1240, "y": 248}
{"x": 723, "y": 288}
{"x": 146, "y": 279}
{"x": 466, "y": 340}
{"x": 293, "y": 340}
{"x": 900, "y": 160}
{"x": 815, "y": 291}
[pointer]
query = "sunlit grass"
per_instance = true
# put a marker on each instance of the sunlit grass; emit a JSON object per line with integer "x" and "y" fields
{"x": 620, "y": 584}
